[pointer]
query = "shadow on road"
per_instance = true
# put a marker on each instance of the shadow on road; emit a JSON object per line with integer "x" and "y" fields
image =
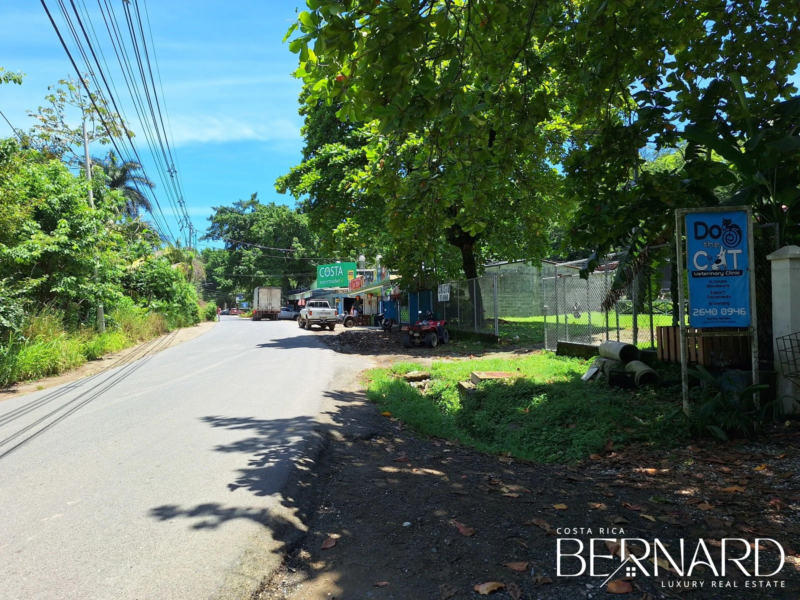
{"x": 282, "y": 457}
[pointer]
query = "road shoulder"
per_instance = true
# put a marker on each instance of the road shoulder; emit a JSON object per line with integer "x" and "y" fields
{"x": 109, "y": 360}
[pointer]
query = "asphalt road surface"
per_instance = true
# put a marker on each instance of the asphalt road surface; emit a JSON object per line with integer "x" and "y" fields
{"x": 155, "y": 478}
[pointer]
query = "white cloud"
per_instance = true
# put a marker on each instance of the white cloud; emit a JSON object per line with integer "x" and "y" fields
{"x": 194, "y": 129}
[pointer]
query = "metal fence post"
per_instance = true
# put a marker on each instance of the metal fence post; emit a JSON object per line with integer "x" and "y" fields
{"x": 589, "y": 309}
{"x": 458, "y": 306}
{"x": 650, "y": 294}
{"x": 496, "y": 321}
{"x": 475, "y": 303}
{"x": 605, "y": 290}
{"x": 558, "y": 304}
{"x": 635, "y": 311}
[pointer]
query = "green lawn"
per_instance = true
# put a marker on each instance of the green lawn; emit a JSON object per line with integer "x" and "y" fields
{"x": 548, "y": 414}
{"x": 530, "y": 330}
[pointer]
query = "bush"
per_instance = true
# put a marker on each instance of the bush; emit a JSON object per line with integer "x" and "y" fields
{"x": 210, "y": 312}
{"x": 136, "y": 323}
{"x": 110, "y": 341}
{"x": 38, "y": 359}
{"x": 725, "y": 410}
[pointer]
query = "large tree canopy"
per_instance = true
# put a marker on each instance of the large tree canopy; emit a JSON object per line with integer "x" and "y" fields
{"x": 461, "y": 131}
{"x": 264, "y": 244}
{"x": 467, "y": 95}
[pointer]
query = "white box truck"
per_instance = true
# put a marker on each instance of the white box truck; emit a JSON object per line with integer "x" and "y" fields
{"x": 266, "y": 303}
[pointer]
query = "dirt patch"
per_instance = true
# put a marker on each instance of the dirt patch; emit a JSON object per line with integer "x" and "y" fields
{"x": 377, "y": 343}
{"x": 408, "y": 517}
{"x": 108, "y": 361}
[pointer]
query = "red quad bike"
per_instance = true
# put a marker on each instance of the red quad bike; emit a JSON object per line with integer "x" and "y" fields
{"x": 428, "y": 329}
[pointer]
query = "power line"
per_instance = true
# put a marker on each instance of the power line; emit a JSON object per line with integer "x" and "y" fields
{"x": 81, "y": 78}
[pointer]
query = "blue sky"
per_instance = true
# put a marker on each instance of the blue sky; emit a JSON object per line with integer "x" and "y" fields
{"x": 228, "y": 88}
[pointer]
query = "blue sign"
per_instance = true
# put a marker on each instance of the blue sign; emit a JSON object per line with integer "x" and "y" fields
{"x": 719, "y": 269}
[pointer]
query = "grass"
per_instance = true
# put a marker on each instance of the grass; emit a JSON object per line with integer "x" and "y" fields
{"x": 547, "y": 414}
{"x": 44, "y": 347}
{"x": 530, "y": 330}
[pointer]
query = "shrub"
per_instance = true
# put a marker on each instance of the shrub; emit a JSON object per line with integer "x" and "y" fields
{"x": 210, "y": 312}
{"x": 38, "y": 359}
{"x": 110, "y": 341}
{"x": 726, "y": 410}
{"x": 136, "y": 323}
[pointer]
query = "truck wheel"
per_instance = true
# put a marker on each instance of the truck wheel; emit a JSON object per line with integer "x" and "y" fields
{"x": 301, "y": 323}
{"x": 349, "y": 322}
{"x": 445, "y": 336}
{"x": 431, "y": 340}
{"x": 407, "y": 343}
{"x": 296, "y": 317}
{"x": 332, "y": 326}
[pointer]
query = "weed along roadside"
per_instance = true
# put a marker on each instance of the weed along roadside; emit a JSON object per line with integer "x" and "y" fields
{"x": 542, "y": 412}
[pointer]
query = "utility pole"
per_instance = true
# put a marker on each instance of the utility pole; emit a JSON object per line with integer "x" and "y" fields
{"x": 101, "y": 318}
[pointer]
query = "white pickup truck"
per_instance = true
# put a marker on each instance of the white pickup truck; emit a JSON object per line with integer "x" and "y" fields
{"x": 317, "y": 312}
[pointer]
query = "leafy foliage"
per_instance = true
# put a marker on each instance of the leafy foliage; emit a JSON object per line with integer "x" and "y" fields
{"x": 55, "y": 136}
{"x": 725, "y": 410}
{"x": 265, "y": 244}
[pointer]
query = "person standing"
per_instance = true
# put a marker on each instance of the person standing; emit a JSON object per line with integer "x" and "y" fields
{"x": 219, "y": 312}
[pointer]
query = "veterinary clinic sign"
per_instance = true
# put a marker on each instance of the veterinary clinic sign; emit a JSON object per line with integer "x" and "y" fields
{"x": 718, "y": 263}
{"x": 337, "y": 275}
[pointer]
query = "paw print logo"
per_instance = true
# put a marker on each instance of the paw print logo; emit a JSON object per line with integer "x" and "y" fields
{"x": 630, "y": 571}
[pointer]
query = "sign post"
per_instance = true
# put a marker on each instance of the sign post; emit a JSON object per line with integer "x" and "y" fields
{"x": 444, "y": 292}
{"x": 720, "y": 275}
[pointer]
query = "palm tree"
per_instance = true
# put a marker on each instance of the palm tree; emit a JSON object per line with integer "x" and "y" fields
{"x": 122, "y": 176}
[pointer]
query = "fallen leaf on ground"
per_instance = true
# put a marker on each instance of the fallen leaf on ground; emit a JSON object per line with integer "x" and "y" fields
{"x": 778, "y": 504}
{"x": 484, "y": 589}
{"x": 465, "y": 531}
{"x": 447, "y": 591}
{"x": 541, "y": 524}
{"x": 541, "y": 580}
{"x": 597, "y": 506}
{"x": 630, "y": 506}
{"x": 520, "y": 567}
{"x": 560, "y": 506}
{"x": 704, "y": 506}
{"x": 329, "y": 543}
{"x": 514, "y": 591}
{"x": 619, "y": 587}
{"x": 386, "y": 414}
{"x": 661, "y": 562}
{"x": 382, "y": 584}
{"x": 613, "y": 547}
{"x": 648, "y": 517}
{"x": 760, "y": 468}
{"x": 734, "y": 488}
{"x": 401, "y": 458}
{"x": 511, "y": 495}
{"x": 617, "y": 520}
{"x": 595, "y": 457}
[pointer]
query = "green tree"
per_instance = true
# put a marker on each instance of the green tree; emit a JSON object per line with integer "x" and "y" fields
{"x": 123, "y": 176}
{"x": 54, "y": 134}
{"x": 465, "y": 122}
{"x": 264, "y": 244}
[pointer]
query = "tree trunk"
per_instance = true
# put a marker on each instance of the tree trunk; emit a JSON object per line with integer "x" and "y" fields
{"x": 465, "y": 242}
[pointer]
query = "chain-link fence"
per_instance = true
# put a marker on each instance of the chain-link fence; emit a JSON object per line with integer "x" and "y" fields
{"x": 552, "y": 303}
{"x": 590, "y": 310}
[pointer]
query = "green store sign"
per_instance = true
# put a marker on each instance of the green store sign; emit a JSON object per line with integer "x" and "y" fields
{"x": 336, "y": 275}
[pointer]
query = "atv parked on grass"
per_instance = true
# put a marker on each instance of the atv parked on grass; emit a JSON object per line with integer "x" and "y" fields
{"x": 428, "y": 330}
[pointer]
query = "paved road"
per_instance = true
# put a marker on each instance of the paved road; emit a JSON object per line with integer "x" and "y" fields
{"x": 155, "y": 478}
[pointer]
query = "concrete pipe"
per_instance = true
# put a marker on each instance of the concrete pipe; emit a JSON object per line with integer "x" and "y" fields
{"x": 619, "y": 351}
{"x": 606, "y": 365}
{"x": 644, "y": 375}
